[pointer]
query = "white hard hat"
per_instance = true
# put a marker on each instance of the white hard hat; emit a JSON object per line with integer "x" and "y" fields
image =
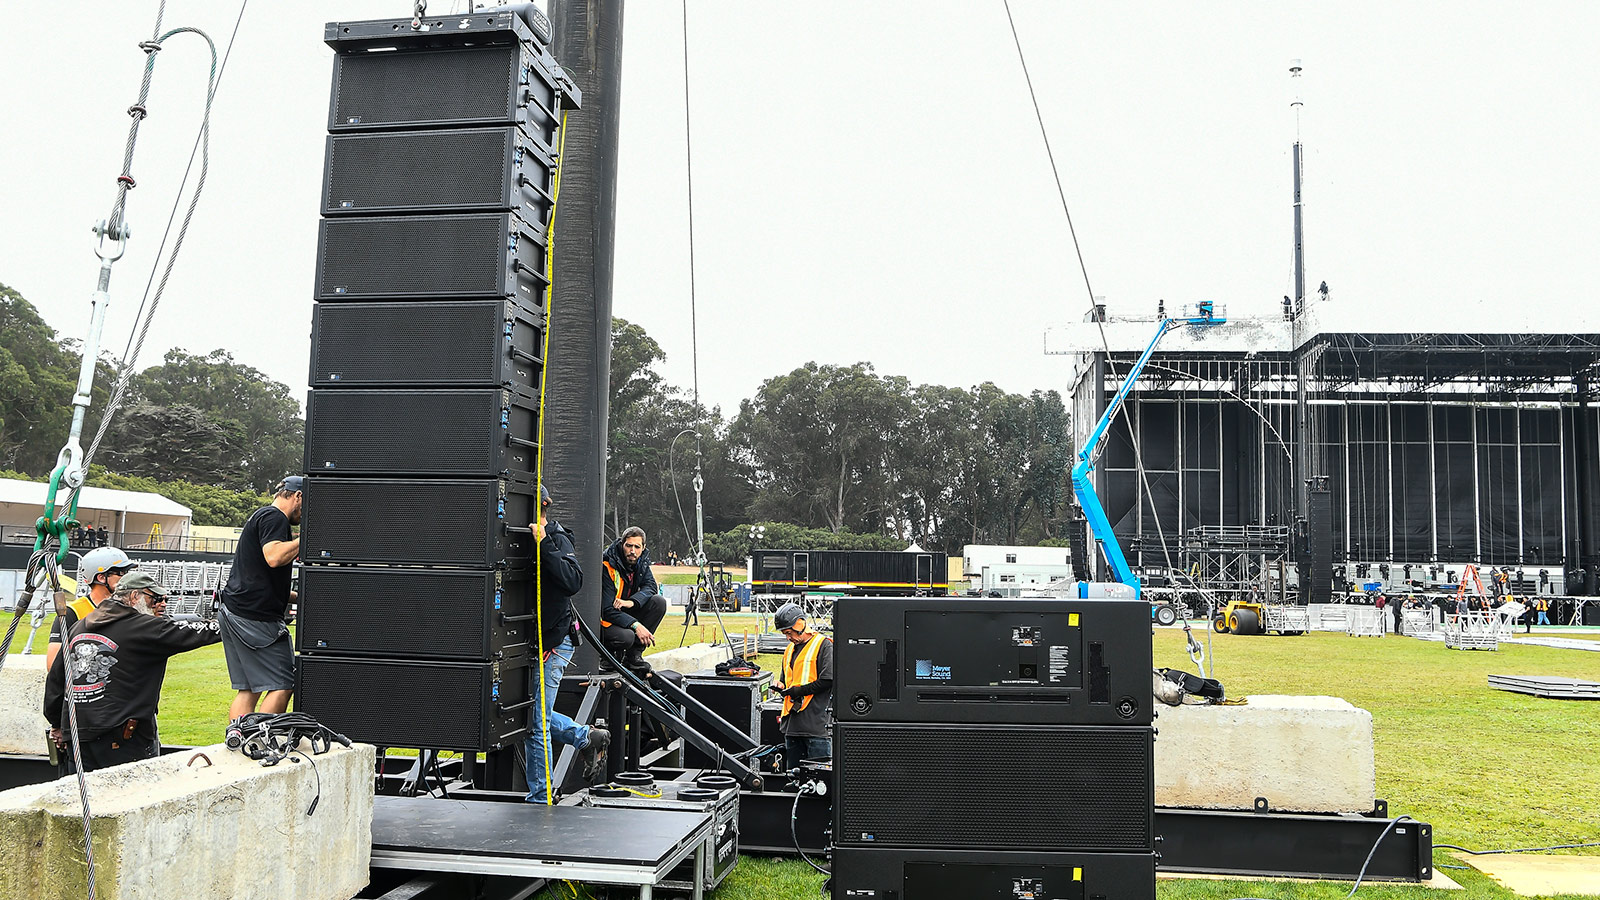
{"x": 101, "y": 560}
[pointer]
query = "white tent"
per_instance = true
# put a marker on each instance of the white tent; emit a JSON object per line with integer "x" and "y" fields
{"x": 136, "y": 519}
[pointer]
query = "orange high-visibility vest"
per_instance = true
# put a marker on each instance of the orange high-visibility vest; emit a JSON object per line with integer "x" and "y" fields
{"x": 616, "y": 581}
{"x": 800, "y": 668}
{"x": 1542, "y": 605}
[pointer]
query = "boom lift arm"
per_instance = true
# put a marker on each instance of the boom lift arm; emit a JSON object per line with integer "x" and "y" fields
{"x": 1204, "y": 314}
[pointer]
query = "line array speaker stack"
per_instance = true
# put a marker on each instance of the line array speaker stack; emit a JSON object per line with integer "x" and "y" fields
{"x": 415, "y": 625}
{"x": 990, "y": 748}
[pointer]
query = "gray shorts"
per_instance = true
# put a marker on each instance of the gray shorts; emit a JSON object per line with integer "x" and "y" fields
{"x": 260, "y": 655}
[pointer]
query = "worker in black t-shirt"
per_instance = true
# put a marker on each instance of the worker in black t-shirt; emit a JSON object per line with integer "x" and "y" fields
{"x": 806, "y": 685}
{"x": 255, "y": 638}
{"x": 115, "y": 661}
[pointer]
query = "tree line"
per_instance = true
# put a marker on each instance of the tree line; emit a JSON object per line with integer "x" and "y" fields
{"x": 840, "y": 449}
{"x": 825, "y": 454}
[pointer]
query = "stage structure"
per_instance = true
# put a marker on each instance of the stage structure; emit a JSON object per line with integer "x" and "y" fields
{"x": 1438, "y": 449}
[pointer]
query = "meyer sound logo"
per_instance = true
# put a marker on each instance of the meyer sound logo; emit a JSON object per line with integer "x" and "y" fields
{"x": 926, "y": 669}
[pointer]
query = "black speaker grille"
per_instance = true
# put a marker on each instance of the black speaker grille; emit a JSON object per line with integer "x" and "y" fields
{"x": 417, "y": 432}
{"x": 445, "y": 343}
{"x": 407, "y": 703}
{"x": 372, "y": 90}
{"x": 412, "y": 522}
{"x": 459, "y": 256}
{"x": 404, "y": 612}
{"x": 422, "y": 170}
{"x": 995, "y": 787}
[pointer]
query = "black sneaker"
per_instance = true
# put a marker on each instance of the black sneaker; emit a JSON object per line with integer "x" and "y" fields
{"x": 635, "y": 661}
{"x": 593, "y": 754}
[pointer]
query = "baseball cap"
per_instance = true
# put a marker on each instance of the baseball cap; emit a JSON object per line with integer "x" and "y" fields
{"x": 141, "y": 581}
{"x": 290, "y": 484}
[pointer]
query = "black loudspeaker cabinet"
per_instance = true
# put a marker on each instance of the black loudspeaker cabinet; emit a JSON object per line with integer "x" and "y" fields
{"x": 463, "y": 256}
{"x": 418, "y": 521}
{"x": 388, "y": 611}
{"x": 735, "y": 700}
{"x": 452, "y": 432}
{"x": 894, "y": 874}
{"x": 456, "y": 169}
{"x": 412, "y": 703}
{"x": 910, "y": 659}
{"x": 486, "y": 343}
{"x": 401, "y": 79}
{"x": 994, "y": 787}
{"x": 1318, "y": 584}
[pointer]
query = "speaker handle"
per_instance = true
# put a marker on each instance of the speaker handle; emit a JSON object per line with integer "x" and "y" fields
{"x": 525, "y": 356}
{"x": 523, "y": 442}
{"x": 508, "y": 619}
{"x": 516, "y": 706}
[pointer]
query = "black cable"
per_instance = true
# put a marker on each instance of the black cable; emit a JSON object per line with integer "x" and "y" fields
{"x": 1518, "y": 850}
{"x": 794, "y": 829}
{"x": 318, "y": 798}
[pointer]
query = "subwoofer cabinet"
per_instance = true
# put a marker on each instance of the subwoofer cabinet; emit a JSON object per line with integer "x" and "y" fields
{"x": 896, "y": 874}
{"x": 973, "y": 660}
{"x": 450, "y": 343}
{"x": 416, "y": 703}
{"x": 480, "y": 523}
{"x": 994, "y": 787}
{"x": 451, "y": 432}
{"x": 472, "y": 615}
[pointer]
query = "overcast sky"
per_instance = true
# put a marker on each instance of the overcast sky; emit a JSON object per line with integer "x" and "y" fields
{"x": 870, "y": 183}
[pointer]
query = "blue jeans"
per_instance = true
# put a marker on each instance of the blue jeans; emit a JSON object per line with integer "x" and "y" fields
{"x": 558, "y": 725}
{"x": 799, "y": 747}
{"x": 1544, "y": 618}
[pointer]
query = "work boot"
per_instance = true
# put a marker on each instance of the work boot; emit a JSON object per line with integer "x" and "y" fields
{"x": 634, "y": 660}
{"x": 593, "y": 754}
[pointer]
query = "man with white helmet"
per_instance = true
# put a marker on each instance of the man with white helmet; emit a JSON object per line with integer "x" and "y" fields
{"x": 98, "y": 575}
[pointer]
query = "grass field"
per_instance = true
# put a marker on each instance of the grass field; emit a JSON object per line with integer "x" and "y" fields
{"x": 1486, "y": 768}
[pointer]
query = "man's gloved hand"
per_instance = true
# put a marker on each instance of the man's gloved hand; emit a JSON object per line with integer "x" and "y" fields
{"x": 793, "y": 693}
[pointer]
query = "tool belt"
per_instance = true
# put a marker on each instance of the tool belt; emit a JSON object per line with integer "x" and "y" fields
{"x": 1205, "y": 688}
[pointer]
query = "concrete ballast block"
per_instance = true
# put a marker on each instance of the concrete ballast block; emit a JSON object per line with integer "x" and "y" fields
{"x": 1303, "y": 754}
{"x": 177, "y": 826}
{"x": 22, "y": 722}
{"x": 690, "y": 659}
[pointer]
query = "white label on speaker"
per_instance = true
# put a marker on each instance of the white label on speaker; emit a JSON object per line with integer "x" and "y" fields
{"x": 1060, "y": 663}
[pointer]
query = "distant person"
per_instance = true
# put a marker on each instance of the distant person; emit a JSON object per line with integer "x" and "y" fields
{"x": 806, "y": 683}
{"x": 255, "y": 602}
{"x": 101, "y": 536}
{"x": 561, "y": 577}
{"x": 115, "y": 662}
{"x": 631, "y": 605}
{"x": 1542, "y": 604}
{"x": 77, "y": 536}
{"x": 1396, "y": 608}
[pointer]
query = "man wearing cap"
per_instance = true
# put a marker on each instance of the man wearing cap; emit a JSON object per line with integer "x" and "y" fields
{"x": 806, "y": 683}
{"x": 560, "y": 578}
{"x": 255, "y": 601}
{"x": 115, "y": 661}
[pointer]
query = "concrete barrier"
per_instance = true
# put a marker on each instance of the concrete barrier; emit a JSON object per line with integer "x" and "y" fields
{"x": 22, "y": 722}
{"x": 1303, "y": 754}
{"x": 176, "y": 827}
{"x": 690, "y": 659}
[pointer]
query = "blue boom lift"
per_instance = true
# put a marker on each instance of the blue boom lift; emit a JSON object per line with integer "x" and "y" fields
{"x": 1126, "y": 586}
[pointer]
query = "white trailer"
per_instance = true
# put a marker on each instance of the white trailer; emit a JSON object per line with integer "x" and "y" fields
{"x": 975, "y": 557}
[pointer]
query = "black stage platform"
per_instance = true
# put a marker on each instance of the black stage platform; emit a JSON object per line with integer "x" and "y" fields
{"x": 607, "y": 846}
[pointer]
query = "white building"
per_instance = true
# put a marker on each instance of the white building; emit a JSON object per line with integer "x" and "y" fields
{"x": 132, "y": 519}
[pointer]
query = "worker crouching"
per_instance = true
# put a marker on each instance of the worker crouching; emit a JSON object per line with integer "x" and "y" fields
{"x": 631, "y": 605}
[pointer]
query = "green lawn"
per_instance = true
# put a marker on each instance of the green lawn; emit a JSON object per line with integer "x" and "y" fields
{"x": 1486, "y": 768}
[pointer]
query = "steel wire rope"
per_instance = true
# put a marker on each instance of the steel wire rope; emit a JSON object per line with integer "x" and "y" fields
{"x": 125, "y": 182}
{"x": 202, "y": 144}
{"x": 542, "y": 718}
{"x": 1105, "y": 342}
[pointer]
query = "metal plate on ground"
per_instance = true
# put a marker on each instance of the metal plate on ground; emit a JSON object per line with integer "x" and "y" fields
{"x": 1539, "y": 876}
{"x": 1547, "y": 686}
{"x": 619, "y": 846}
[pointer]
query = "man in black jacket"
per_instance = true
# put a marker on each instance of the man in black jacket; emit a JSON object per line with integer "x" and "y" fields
{"x": 116, "y": 659}
{"x": 560, "y": 578}
{"x": 631, "y": 605}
